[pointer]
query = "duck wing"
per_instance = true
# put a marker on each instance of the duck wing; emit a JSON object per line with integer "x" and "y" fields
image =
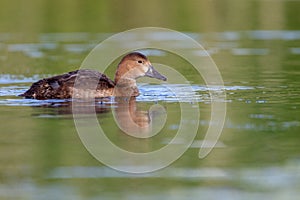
{"x": 61, "y": 86}
{"x": 84, "y": 78}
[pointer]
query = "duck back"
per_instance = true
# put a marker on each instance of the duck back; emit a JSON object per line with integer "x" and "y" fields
{"x": 88, "y": 83}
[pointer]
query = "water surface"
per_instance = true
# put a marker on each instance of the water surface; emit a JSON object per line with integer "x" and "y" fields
{"x": 257, "y": 53}
{"x": 257, "y": 155}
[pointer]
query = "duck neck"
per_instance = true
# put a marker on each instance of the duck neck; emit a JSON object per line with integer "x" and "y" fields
{"x": 126, "y": 87}
{"x": 125, "y": 82}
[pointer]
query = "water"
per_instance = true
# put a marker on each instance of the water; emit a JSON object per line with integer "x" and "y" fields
{"x": 257, "y": 155}
{"x": 257, "y": 53}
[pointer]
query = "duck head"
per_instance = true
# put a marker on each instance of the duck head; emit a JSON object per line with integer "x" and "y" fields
{"x": 135, "y": 65}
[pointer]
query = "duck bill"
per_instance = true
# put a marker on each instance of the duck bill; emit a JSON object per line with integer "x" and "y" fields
{"x": 155, "y": 74}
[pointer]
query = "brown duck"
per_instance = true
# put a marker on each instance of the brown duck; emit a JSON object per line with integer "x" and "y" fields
{"x": 86, "y": 83}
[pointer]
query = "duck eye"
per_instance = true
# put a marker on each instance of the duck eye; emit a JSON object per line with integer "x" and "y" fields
{"x": 140, "y": 61}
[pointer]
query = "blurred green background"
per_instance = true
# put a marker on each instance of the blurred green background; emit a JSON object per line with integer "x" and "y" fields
{"x": 44, "y": 16}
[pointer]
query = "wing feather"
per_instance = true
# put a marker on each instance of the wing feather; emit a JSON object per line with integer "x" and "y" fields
{"x": 61, "y": 86}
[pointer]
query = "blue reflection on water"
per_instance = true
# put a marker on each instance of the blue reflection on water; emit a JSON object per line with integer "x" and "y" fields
{"x": 13, "y": 85}
{"x": 84, "y": 42}
{"x": 295, "y": 50}
{"x": 249, "y": 51}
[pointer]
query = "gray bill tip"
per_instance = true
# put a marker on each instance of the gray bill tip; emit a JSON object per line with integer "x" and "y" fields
{"x": 153, "y": 73}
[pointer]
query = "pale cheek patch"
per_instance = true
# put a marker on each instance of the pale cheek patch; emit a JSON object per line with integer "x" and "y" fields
{"x": 145, "y": 69}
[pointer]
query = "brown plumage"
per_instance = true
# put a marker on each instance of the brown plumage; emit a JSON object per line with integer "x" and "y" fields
{"x": 86, "y": 83}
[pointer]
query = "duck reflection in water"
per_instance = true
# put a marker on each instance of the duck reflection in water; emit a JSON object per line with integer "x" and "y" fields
{"x": 136, "y": 122}
{"x": 133, "y": 119}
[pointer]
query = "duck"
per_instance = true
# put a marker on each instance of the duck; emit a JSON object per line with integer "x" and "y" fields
{"x": 88, "y": 83}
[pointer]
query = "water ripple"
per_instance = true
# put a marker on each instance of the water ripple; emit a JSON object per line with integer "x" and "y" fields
{"x": 12, "y": 86}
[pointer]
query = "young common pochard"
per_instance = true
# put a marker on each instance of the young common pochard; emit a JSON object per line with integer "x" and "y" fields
{"x": 87, "y": 83}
